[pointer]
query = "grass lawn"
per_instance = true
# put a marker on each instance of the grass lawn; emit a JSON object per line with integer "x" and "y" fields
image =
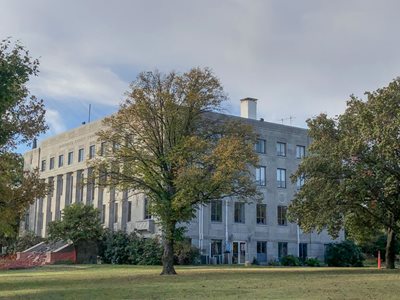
{"x": 142, "y": 282}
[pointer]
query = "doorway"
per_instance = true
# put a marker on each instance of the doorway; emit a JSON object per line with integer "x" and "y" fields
{"x": 239, "y": 252}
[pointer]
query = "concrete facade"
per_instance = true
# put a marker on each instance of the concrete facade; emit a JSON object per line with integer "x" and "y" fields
{"x": 225, "y": 232}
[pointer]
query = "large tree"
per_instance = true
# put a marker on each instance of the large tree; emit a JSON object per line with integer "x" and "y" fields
{"x": 352, "y": 171}
{"x": 21, "y": 120}
{"x": 166, "y": 142}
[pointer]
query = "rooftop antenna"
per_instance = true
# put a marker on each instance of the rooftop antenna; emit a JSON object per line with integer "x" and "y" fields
{"x": 90, "y": 109}
{"x": 291, "y": 118}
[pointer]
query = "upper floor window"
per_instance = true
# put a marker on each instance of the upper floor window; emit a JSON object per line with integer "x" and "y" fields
{"x": 300, "y": 151}
{"x": 115, "y": 212}
{"x": 70, "y": 157}
{"x": 129, "y": 211}
{"x": 260, "y": 175}
{"x": 261, "y": 214}
{"x": 51, "y": 166}
{"x": 60, "y": 160}
{"x": 92, "y": 151}
{"x": 147, "y": 212}
{"x": 103, "y": 148}
{"x": 216, "y": 211}
{"x": 280, "y": 149}
{"x": 260, "y": 146}
{"x": 43, "y": 165}
{"x": 239, "y": 212}
{"x": 81, "y": 155}
{"x": 300, "y": 181}
{"x": 282, "y": 211}
{"x": 281, "y": 178}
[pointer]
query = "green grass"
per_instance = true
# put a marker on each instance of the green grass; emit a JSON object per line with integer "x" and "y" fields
{"x": 139, "y": 282}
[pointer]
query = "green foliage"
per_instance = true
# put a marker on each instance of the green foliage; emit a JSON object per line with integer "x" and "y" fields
{"x": 344, "y": 254}
{"x": 186, "y": 254}
{"x": 312, "y": 262}
{"x": 79, "y": 223}
{"x": 21, "y": 120}
{"x": 23, "y": 242}
{"x": 273, "y": 262}
{"x": 290, "y": 260}
{"x": 378, "y": 243}
{"x": 119, "y": 247}
{"x": 21, "y": 116}
{"x": 352, "y": 171}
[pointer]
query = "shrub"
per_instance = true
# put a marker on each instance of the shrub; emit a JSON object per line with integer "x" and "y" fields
{"x": 274, "y": 263}
{"x": 344, "y": 254}
{"x": 150, "y": 252}
{"x": 312, "y": 262}
{"x": 186, "y": 254}
{"x": 29, "y": 239}
{"x": 290, "y": 260}
{"x": 113, "y": 247}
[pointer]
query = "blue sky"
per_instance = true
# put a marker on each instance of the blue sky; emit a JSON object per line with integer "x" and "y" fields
{"x": 299, "y": 58}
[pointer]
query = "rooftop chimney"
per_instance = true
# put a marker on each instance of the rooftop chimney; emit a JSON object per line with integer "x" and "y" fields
{"x": 248, "y": 108}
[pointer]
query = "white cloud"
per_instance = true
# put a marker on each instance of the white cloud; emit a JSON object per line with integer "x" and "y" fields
{"x": 55, "y": 122}
{"x": 298, "y": 57}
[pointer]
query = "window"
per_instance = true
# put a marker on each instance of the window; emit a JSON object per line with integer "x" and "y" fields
{"x": 103, "y": 148}
{"x": 81, "y": 155}
{"x": 80, "y": 182}
{"x": 216, "y": 247}
{"x": 129, "y": 211}
{"x": 260, "y": 146}
{"x": 70, "y": 157}
{"x": 261, "y": 247}
{"x": 60, "y": 160}
{"x": 90, "y": 186}
{"x": 69, "y": 188}
{"x": 260, "y": 175}
{"x": 216, "y": 211}
{"x": 115, "y": 212}
{"x": 92, "y": 151}
{"x": 280, "y": 149}
{"x": 147, "y": 213}
{"x": 303, "y": 251}
{"x": 51, "y": 166}
{"x": 261, "y": 214}
{"x": 239, "y": 212}
{"x": 282, "y": 215}
{"x": 282, "y": 249}
{"x": 43, "y": 166}
{"x": 281, "y": 178}
{"x": 103, "y": 214}
{"x": 300, "y": 181}
{"x": 26, "y": 222}
{"x": 300, "y": 151}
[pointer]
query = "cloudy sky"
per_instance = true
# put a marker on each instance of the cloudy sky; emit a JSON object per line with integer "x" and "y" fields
{"x": 299, "y": 58}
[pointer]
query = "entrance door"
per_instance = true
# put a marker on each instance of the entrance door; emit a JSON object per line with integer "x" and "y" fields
{"x": 239, "y": 252}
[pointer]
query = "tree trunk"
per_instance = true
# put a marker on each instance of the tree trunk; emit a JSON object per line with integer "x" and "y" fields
{"x": 168, "y": 255}
{"x": 390, "y": 256}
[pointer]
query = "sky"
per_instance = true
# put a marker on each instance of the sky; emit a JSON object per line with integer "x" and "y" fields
{"x": 298, "y": 58}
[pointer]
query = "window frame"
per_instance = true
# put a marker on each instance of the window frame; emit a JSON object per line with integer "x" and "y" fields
{"x": 51, "y": 163}
{"x": 92, "y": 151}
{"x": 282, "y": 215}
{"x": 300, "y": 151}
{"x": 260, "y": 146}
{"x": 279, "y": 146}
{"x": 261, "y": 175}
{"x": 239, "y": 215}
{"x": 261, "y": 214}
{"x": 279, "y": 172}
{"x": 70, "y": 157}
{"x": 61, "y": 160}
{"x": 81, "y": 154}
{"x": 216, "y": 211}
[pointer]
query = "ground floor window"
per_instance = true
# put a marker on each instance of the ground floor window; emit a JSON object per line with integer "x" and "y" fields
{"x": 216, "y": 247}
{"x": 282, "y": 249}
{"x": 303, "y": 251}
{"x": 261, "y": 251}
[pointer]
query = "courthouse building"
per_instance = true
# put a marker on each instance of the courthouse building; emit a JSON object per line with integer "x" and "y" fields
{"x": 226, "y": 231}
